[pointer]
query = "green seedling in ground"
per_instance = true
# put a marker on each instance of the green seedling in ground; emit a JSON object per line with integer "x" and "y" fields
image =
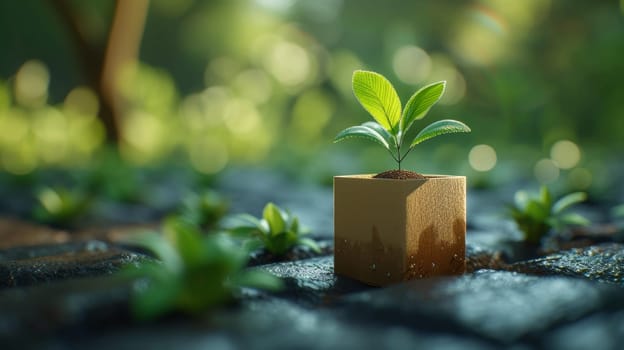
{"x": 195, "y": 273}
{"x": 391, "y": 126}
{"x": 617, "y": 212}
{"x": 537, "y": 214}
{"x": 113, "y": 178}
{"x": 277, "y": 231}
{"x": 203, "y": 210}
{"x": 59, "y": 206}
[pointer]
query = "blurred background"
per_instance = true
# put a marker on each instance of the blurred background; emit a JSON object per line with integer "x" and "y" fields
{"x": 208, "y": 86}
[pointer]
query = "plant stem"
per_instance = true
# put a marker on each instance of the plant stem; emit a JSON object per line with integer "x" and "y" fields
{"x": 398, "y": 148}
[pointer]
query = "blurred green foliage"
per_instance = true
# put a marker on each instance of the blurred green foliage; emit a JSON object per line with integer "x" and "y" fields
{"x": 538, "y": 214}
{"x": 194, "y": 273}
{"x": 203, "y": 210}
{"x": 60, "y": 206}
{"x": 268, "y": 82}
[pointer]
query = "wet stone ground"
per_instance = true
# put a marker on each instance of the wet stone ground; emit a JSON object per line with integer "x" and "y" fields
{"x": 59, "y": 290}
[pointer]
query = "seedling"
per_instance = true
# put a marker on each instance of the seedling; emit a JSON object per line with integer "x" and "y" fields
{"x": 195, "y": 273}
{"x": 391, "y": 126}
{"x": 203, "y": 210}
{"x": 617, "y": 212}
{"x": 537, "y": 214}
{"x": 113, "y": 178}
{"x": 59, "y": 206}
{"x": 277, "y": 231}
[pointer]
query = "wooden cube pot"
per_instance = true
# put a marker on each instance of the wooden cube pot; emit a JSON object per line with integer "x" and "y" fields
{"x": 387, "y": 231}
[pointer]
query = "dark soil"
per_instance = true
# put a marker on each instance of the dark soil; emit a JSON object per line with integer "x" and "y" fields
{"x": 399, "y": 175}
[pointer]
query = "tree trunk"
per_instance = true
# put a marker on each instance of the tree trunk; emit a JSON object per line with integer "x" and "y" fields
{"x": 102, "y": 66}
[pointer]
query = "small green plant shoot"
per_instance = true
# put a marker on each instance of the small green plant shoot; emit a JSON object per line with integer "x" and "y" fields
{"x": 203, "y": 210}
{"x": 391, "y": 126}
{"x": 277, "y": 231}
{"x": 60, "y": 206}
{"x": 537, "y": 214}
{"x": 194, "y": 273}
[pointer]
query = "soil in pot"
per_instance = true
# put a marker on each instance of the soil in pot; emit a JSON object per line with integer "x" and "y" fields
{"x": 399, "y": 175}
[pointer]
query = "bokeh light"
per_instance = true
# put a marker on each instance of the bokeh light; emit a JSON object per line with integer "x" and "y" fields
{"x": 566, "y": 154}
{"x": 31, "y": 83}
{"x": 411, "y": 64}
{"x": 580, "y": 178}
{"x": 546, "y": 171}
{"x": 289, "y": 63}
{"x": 482, "y": 157}
{"x": 82, "y": 100}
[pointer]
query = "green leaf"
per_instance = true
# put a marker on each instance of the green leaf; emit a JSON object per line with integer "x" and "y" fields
{"x": 617, "y": 211}
{"x": 567, "y": 201}
{"x": 294, "y": 224}
{"x": 186, "y": 239}
{"x": 362, "y": 132}
{"x": 274, "y": 218}
{"x": 161, "y": 247}
{"x": 241, "y": 220}
{"x": 242, "y": 231}
{"x": 254, "y": 278}
{"x": 253, "y": 244}
{"x": 420, "y": 103}
{"x": 381, "y": 131}
{"x": 574, "y": 219}
{"x": 545, "y": 197}
{"x": 377, "y": 95}
{"x": 536, "y": 210}
{"x": 155, "y": 292}
{"x": 310, "y": 243}
{"x": 447, "y": 126}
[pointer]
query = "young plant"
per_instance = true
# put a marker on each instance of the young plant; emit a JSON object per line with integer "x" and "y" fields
{"x": 59, "y": 206}
{"x": 195, "y": 272}
{"x": 277, "y": 231}
{"x": 537, "y": 214}
{"x": 203, "y": 210}
{"x": 392, "y": 125}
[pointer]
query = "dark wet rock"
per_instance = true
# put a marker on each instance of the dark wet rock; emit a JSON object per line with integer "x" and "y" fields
{"x": 601, "y": 331}
{"x": 604, "y": 262}
{"x": 509, "y": 244}
{"x": 26, "y": 266}
{"x": 54, "y": 307}
{"x": 478, "y": 258}
{"x": 262, "y": 257}
{"x": 312, "y": 281}
{"x": 502, "y": 306}
{"x": 272, "y": 324}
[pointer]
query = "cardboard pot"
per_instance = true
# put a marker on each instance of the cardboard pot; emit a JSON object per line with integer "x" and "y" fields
{"x": 387, "y": 231}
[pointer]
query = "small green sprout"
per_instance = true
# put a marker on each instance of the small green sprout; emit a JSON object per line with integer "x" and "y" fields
{"x": 537, "y": 214}
{"x": 59, "y": 206}
{"x": 391, "y": 126}
{"x": 617, "y": 212}
{"x": 203, "y": 210}
{"x": 277, "y": 231}
{"x": 113, "y": 178}
{"x": 195, "y": 273}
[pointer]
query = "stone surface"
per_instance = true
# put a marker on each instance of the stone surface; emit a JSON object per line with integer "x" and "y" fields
{"x": 41, "y": 264}
{"x": 312, "y": 281}
{"x": 58, "y": 289}
{"x": 502, "y": 306}
{"x": 604, "y": 262}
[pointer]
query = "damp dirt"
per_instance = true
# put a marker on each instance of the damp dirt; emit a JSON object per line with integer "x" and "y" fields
{"x": 399, "y": 175}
